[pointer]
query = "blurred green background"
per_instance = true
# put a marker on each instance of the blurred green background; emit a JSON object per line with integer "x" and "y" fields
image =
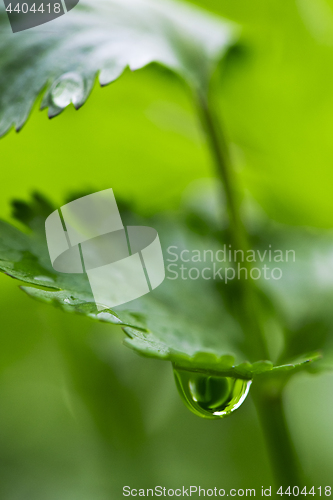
{"x": 80, "y": 415}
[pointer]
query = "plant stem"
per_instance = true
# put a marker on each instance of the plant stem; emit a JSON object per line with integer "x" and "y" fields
{"x": 250, "y": 313}
{"x": 220, "y": 153}
{"x": 267, "y": 396}
{"x": 268, "y": 393}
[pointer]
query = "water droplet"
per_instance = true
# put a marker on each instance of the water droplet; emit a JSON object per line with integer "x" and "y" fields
{"x": 66, "y": 89}
{"x": 208, "y": 396}
{"x": 107, "y": 316}
{"x": 44, "y": 278}
{"x": 101, "y": 307}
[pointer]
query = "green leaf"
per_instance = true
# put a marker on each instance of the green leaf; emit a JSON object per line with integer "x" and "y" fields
{"x": 186, "y": 322}
{"x": 103, "y": 38}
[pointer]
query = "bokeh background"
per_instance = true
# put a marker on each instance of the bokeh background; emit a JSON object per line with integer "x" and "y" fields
{"x": 80, "y": 415}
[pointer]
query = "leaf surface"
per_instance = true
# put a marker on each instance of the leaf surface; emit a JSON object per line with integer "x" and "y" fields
{"x": 103, "y": 38}
{"x": 184, "y": 321}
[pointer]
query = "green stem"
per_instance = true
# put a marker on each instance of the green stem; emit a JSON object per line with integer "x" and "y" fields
{"x": 220, "y": 153}
{"x": 268, "y": 398}
{"x": 250, "y": 312}
{"x": 269, "y": 404}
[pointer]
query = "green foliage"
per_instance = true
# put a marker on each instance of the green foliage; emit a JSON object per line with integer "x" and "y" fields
{"x": 276, "y": 98}
{"x": 189, "y": 44}
{"x": 166, "y": 324}
{"x": 104, "y": 38}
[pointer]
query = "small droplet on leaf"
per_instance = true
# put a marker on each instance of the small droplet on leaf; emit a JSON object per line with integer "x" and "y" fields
{"x": 44, "y": 278}
{"x": 209, "y": 396}
{"x": 68, "y": 88}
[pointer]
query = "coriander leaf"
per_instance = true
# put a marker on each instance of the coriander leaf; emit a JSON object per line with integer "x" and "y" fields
{"x": 186, "y": 322}
{"x": 103, "y": 38}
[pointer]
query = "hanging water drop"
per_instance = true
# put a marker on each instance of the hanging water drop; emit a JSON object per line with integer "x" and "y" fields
{"x": 66, "y": 89}
{"x": 209, "y": 396}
